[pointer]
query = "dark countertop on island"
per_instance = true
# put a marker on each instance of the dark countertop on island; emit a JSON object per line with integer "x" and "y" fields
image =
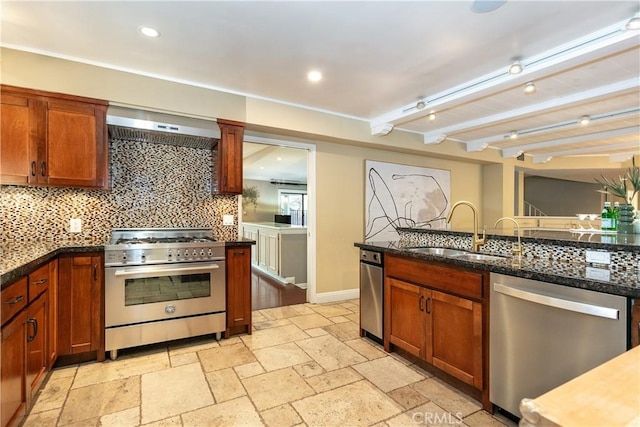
{"x": 577, "y": 275}
{"x": 18, "y": 259}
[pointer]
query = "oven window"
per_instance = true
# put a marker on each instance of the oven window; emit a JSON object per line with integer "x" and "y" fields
{"x": 166, "y": 288}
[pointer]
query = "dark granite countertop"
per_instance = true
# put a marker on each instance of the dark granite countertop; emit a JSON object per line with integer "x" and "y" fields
{"x": 18, "y": 259}
{"x": 577, "y": 275}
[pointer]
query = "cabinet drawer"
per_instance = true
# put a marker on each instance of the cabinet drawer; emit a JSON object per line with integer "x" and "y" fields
{"x": 38, "y": 282}
{"x": 14, "y": 299}
{"x": 436, "y": 276}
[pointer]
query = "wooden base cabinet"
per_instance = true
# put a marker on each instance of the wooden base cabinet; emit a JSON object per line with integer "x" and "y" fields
{"x": 80, "y": 304}
{"x": 14, "y": 385}
{"x": 238, "y": 263}
{"x": 37, "y": 342}
{"x": 442, "y": 325}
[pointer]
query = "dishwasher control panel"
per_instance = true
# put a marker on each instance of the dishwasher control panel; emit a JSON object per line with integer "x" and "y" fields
{"x": 371, "y": 257}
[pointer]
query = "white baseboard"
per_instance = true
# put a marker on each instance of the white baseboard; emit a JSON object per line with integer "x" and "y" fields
{"x": 337, "y": 296}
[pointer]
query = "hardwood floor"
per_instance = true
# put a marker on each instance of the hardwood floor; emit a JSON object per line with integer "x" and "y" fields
{"x": 267, "y": 293}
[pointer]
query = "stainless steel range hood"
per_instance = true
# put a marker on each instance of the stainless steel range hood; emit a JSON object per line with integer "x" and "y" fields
{"x": 158, "y": 128}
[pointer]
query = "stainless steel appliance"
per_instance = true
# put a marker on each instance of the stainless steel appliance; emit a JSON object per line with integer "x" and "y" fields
{"x": 543, "y": 335}
{"x": 371, "y": 294}
{"x": 162, "y": 284}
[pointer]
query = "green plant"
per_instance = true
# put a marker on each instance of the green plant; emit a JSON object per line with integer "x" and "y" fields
{"x": 620, "y": 188}
{"x": 250, "y": 196}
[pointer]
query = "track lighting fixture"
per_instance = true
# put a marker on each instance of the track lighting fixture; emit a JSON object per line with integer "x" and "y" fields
{"x": 529, "y": 88}
{"x": 513, "y": 134}
{"x": 633, "y": 23}
{"x": 516, "y": 68}
{"x": 420, "y": 105}
{"x": 585, "y": 120}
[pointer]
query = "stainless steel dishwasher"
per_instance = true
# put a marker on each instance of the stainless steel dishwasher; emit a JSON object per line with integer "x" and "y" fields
{"x": 371, "y": 294}
{"x": 543, "y": 335}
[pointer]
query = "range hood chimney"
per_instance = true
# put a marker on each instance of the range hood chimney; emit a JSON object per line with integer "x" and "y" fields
{"x": 158, "y": 128}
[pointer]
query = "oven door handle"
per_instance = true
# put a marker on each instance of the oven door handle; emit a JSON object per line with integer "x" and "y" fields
{"x": 147, "y": 270}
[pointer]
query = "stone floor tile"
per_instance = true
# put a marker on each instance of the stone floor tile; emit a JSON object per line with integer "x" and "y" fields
{"x": 249, "y": 370}
{"x": 273, "y": 336}
{"x": 302, "y": 309}
{"x": 225, "y": 385}
{"x": 309, "y": 369}
{"x": 173, "y": 391}
{"x": 309, "y": 321}
{"x": 276, "y": 388}
{"x": 270, "y": 324}
{"x": 279, "y": 312}
{"x": 90, "y": 422}
{"x": 237, "y": 412}
{"x": 330, "y": 353}
{"x": 366, "y": 348}
{"x": 183, "y": 359}
{"x": 419, "y": 369}
{"x": 256, "y": 317}
{"x": 343, "y": 331}
{"x": 316, "y": 332}
{"x": 333, "y": 379}
{"x": 355, "y": 318}
{"x": 100, "y": 399}
{"x": 281, "y": 416}
{"x": 191, "y": 345}
{"x": 428, "y": 414}
{"x": 230, "y": 341}
{"x": 40, "y": 419}
{"x": 407, "y": 397}
{"x": 52, "y": 395}
{"x": 94, "y": 373}
{"x": 350, "y": 306}
{"x": 226, "y": 356}
{"x": 447, "y": 397}
{"x": 167, "y": 422}
{"x": 339, "y": 319}
{"x": 281, "y": 356}
{"x": 64, "y": 372}
{"x": 388, "y": 374}
{"x": 483, "y": 419}
{"x": 357, "y": 404}
{"x": 331, "y": 310}
{"x": 126, "y": 418}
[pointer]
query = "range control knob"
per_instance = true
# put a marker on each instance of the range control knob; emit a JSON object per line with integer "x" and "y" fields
{"x": 143, "y": 257}
{"x": 201, "y": 252}
{"x": 170, "y": 309}
{"x": 124, "y": 257}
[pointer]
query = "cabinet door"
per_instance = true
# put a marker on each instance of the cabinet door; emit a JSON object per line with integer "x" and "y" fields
{"x": 76, "y": 144}
{"x": 238, "y": 263}
{"x": 53, "y": 313}
{"x": 228, "y": 179}
{"x": 37, "y": 339}
{"x": 13, "y": 359}
{"x": 263, "y": 250}
{"x": 21, "y": 133}
{"x": 456, "y": 344}
{"x": 273, "y": 252}
{"x": 80, "y": 311}
{"x": 404, "y": 316}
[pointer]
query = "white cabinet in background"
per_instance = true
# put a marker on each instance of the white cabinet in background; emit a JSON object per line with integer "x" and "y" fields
{"x": 280, "y": 250}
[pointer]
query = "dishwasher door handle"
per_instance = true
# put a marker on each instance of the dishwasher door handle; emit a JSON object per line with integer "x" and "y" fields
{"x": 563, "y": 304}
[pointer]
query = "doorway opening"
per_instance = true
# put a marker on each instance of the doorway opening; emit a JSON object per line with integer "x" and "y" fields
{"x": 276, "y": 211}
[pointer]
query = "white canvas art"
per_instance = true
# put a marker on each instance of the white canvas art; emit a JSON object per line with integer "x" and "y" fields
{"x": 399, "y": 196}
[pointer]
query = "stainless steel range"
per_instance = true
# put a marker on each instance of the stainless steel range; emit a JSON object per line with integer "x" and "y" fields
{"x": 162, "y": 284}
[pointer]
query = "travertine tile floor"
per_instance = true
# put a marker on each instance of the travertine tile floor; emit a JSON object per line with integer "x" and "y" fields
{"x": 303, "y": 365}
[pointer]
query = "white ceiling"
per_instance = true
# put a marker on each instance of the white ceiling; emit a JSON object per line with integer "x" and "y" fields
{"x": 378, "y": 59}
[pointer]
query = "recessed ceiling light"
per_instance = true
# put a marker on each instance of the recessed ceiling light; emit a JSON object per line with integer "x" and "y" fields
{"x": 432, "y": 116}
{"x": 484, "y": 6}
{"x": 278, "y": 158}
{"x": 314, "y": 76}
{"x": 516, "y": 68}
{"x": 529, "y": 88}
{"x": 149, "y": 32}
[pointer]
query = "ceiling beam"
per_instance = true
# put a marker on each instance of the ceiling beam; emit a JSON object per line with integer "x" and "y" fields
{"x": 545, "y": 157}
{"x": 554, "y": 104}
{"x": 607, "y": 41}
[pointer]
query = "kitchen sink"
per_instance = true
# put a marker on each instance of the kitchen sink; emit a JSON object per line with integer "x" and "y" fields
{"x": 438, "y": 251}
{"x": 479, "y": 257}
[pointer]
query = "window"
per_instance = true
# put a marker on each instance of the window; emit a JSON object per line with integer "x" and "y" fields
{"x": 294, "y": 203}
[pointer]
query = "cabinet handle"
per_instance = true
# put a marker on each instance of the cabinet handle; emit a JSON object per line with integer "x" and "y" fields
{"x": 95, "y": 272}
{"x": 427, "y": 308}
{"x": 43, "y": 168}
{"x": 238, "y": 252}
{"x": 33, "y": 168}
{"x": 420, "y": 303}
{"x": 15, "y": 300}
{"x": 40, "y": 282}
{"x": 34, "y": 322}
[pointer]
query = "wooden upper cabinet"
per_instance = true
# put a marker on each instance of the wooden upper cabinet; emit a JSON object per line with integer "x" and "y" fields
{"x": 227, "y": 173}
{"x": 52, "y": 139}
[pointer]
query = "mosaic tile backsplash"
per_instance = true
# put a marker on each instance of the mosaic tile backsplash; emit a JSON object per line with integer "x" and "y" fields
{"x": 152, "y": 185}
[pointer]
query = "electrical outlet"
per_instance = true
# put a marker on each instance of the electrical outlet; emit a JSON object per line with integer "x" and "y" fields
{"x": 598, "y": 257}
{"x": 75, "y": 225}
{"x": 227, "y": 220}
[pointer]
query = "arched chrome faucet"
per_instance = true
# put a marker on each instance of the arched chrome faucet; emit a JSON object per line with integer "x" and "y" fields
{"x": 476, "y": 240}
